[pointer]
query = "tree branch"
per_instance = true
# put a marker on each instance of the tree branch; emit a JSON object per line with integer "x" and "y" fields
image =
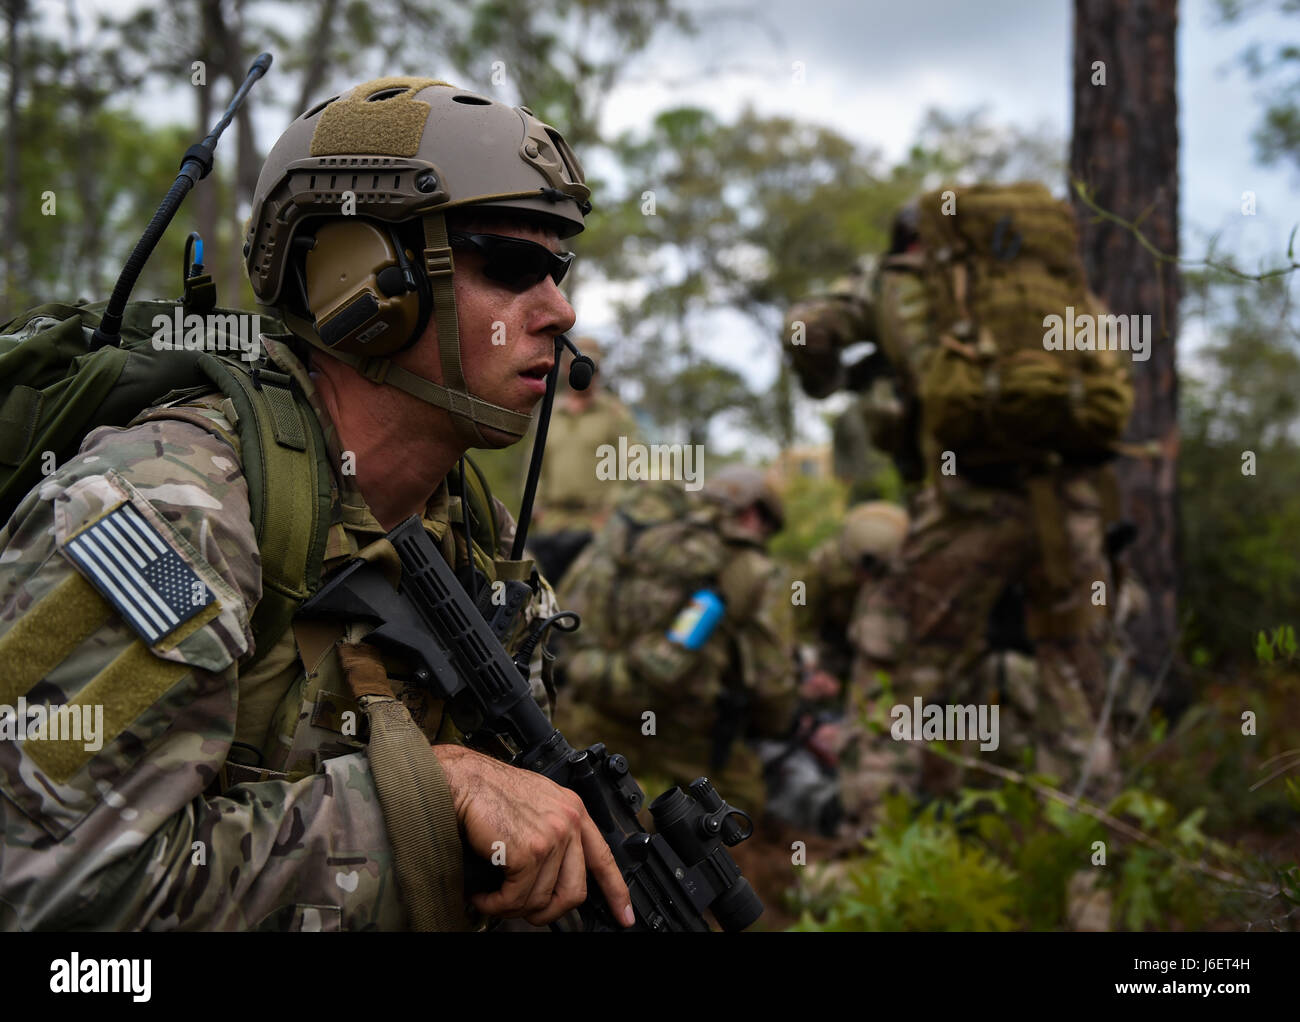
{"x": 1081, "y": 189}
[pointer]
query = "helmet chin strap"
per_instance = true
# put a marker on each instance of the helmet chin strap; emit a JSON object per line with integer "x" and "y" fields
{"x": 468, "y": 413}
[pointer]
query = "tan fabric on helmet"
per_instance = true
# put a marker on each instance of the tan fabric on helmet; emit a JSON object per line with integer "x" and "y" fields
{"x": 877, "y": 528}
{"x": 349, "y": 125}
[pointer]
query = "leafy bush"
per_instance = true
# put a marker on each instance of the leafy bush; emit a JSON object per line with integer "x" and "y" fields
{"x": 918, "y": 874}
{"x": 1004, "y": 858}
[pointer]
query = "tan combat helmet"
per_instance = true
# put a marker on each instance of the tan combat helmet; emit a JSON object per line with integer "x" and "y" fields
{"x": 875, "y": 529}
{"x": 737, "y": 487}
{"x": 386, "y": 152}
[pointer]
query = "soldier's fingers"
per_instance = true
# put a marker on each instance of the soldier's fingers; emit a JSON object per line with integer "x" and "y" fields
{"x": 510, "y": 899}
{"x": 600, "y": 861}
{"x": 546, "y": 878}
{"x": 570, "y": 887}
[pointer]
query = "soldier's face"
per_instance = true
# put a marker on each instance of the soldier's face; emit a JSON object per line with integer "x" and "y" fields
{"x": 507, "y": 336}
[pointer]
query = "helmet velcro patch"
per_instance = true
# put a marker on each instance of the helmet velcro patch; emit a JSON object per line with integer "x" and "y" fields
{"x": 389, "y": 124}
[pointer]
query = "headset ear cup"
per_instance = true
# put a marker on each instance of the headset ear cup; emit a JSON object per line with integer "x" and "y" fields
{"x": 412, "y": 268}
{"x": 351, "y": 312}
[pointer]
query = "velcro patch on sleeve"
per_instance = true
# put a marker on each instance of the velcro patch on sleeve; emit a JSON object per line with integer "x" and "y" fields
{"x": 139, "y": 572}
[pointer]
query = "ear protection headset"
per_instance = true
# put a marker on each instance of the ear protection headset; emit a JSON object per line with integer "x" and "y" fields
{"x": 362, "y": 291}
{"x": 366, "y": 299}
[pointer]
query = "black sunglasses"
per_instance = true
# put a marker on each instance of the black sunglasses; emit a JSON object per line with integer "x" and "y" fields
{"x": 515, "y": 262}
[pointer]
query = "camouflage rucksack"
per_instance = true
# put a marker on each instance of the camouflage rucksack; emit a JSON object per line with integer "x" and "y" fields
{"x": 54, "y": 389}
{"x": 997, "y": 263}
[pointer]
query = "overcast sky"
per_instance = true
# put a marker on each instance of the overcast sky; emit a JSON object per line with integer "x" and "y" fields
{"x": 872, "y": 69}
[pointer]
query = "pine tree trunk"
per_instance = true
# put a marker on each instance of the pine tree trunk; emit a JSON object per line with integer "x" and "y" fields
{"x": 1125, "y": 152}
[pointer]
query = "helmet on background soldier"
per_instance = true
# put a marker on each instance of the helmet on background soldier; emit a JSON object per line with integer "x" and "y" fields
{"x": 739, "y": 487}
{"x": 905, "y": 229}
{"x": 354, "y": 218}
{"x": 873, "y": 530}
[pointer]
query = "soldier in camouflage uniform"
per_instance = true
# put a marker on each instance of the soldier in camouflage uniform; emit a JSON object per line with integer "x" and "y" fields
{"x": 230, "y": 798}
{"x": 572, "y": 503}
{"x": 677, "y": 712}
{"x": 860, "y": 554}
{"x": 802, "y": 772}
{"x": 924, "y": 631}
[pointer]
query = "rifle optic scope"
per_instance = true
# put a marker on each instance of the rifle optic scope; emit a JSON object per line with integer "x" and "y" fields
{"x": 697, "y": 823}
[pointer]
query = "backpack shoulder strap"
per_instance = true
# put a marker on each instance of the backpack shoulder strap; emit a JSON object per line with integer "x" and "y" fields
{"x": 286, "y": 467}
{"x": 481, "y": 510}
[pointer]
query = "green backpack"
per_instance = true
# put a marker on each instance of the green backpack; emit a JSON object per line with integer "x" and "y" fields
{"x": 999, "y": 259}
{"x": 54, "y": 390}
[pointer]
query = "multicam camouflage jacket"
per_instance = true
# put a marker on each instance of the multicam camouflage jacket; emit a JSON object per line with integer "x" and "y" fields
{"x": 196, "y": 794}
{"x": 630, "y": 585}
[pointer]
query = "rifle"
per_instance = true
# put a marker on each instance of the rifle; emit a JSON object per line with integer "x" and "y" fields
{"x": 455, "y": 647}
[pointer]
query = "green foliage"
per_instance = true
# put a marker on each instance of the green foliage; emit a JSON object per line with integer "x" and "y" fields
{"x": 1281, "y": 645}
{"x": 919, "y": 874}
{"x": 814, "y": 510}
{"x": 91, "y": 179}
{"x": 564, "y": 57}
{"x": 1204, "y": 760}
{"x": 1289, "y": 884}
{"x": 1004, "y": 858}
{"x": 1239, "y": 468}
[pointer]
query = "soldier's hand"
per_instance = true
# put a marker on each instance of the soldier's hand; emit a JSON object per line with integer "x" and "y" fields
{"x": 819, "y": 685}
{"x": 825, "y": 742}
{"x": 549, "y": 840}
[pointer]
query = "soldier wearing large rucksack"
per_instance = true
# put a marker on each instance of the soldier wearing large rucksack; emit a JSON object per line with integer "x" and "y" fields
{"x": 1006, "y": 442}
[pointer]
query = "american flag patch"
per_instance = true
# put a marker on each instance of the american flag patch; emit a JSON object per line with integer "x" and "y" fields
{"x": 125, "y": 558}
